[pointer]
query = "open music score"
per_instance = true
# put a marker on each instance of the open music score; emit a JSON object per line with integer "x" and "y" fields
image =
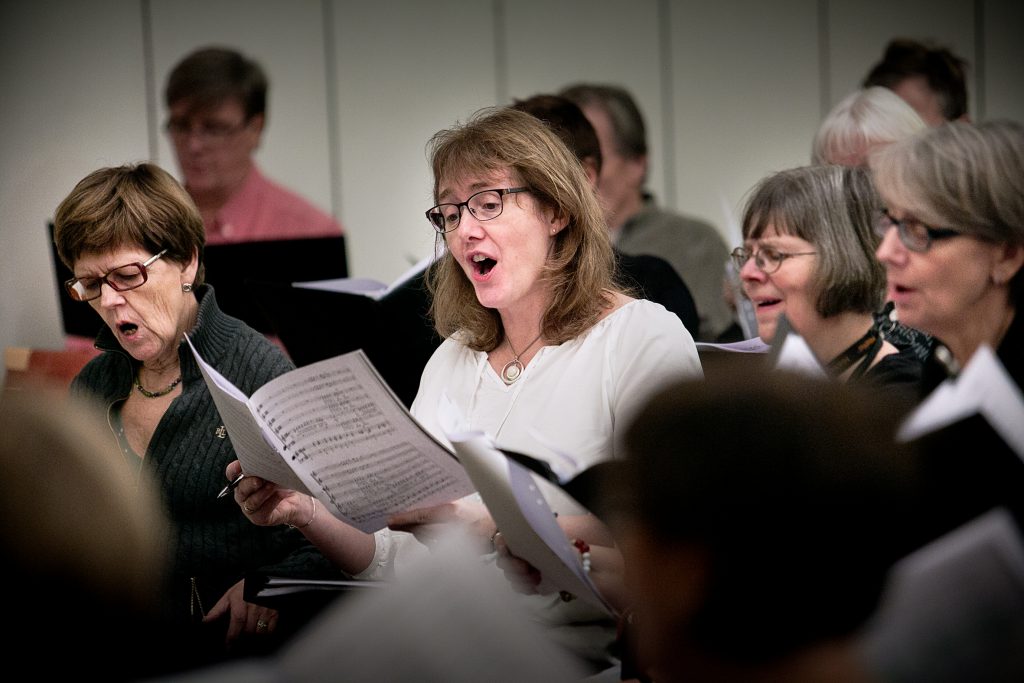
{"x": 336, "y": 431}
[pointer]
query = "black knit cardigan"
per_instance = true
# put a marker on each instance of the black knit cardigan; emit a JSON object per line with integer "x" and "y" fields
{"x": 213, "y": 545}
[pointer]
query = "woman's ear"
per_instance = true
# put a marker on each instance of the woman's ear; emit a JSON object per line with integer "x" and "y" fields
{"x": 556, "y": 222}
{"x": 189, "y": 270}
{"x": 1008, "y": 262}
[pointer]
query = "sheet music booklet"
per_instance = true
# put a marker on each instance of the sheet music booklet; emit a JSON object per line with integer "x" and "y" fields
{"x": 334, "y": 430}
{"x": 368, "y": 287}
{"x": 518, "y": 500}
{"x": 983, "y": 387}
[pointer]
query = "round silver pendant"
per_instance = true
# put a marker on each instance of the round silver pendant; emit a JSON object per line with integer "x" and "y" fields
{"x": 512, "y": 370}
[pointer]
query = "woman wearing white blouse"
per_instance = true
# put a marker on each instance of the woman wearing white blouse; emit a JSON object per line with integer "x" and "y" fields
{"x": 542, "y": 349}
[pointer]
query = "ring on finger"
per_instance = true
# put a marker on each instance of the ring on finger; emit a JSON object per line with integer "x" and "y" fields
{"x": 249, "y": 511}
{"x": 261, "y": 626}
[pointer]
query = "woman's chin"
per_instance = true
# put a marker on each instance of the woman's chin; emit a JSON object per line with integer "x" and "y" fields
{"x": 487, "y": 298}
{"x": 140, "y": 346}
{"x": 766, "y": 328}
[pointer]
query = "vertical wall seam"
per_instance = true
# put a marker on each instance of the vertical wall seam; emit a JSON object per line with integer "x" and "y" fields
{"x": 501, "y": 93}
{"x": 333, "y": 117}
{"x": 824, "y": 60}
{"x": 668, "y": 126}
{"x": 979, "y": 61}
{"x": 149, "y": 78}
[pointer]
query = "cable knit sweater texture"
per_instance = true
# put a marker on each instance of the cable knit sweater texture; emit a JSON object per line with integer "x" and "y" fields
{"x": 213, "y": 543}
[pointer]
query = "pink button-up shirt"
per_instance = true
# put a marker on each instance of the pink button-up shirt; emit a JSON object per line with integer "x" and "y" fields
{"x": 264, "y": 210}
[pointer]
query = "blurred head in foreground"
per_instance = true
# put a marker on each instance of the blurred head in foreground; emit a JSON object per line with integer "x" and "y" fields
{"x": 83, "y": 538}
{"x": 757, "y": 546}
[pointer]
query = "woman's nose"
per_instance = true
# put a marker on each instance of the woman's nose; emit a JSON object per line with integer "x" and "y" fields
{"x": 109, "y": 296}
{"x": 891, "y": 249}
{"x": 469, "y": 226}
{"x": 750, "y": 271}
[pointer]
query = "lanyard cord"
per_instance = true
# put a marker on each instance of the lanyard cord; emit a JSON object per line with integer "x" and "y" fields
{"x": 862, "y": 351}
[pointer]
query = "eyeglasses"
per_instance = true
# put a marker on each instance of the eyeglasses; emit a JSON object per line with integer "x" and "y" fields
{"x": 485, "y": 205}
{"x": 915, "y": 235}
{"x": 120, "y": 279}
{"x": 205, "y": 131}
{"x": 767, "y": 259}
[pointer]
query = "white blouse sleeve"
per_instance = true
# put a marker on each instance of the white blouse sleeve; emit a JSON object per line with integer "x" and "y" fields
{"x": 654, "y": 349}
{"x": 394, "y": 551}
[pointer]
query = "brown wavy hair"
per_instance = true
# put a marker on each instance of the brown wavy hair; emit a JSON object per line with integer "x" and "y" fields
{"x": 579, "y": 270}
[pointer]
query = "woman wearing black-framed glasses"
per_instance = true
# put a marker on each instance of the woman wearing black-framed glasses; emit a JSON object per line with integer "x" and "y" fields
{"x": 953, "y": 251}
{"x": 541, "y": 347}
{"x": 953, "y": 235}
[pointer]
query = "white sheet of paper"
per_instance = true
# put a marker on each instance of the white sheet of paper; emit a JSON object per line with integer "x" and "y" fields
{"x": 734, "y": 234}
{"x": 253, "y": 445}
{"x": 984, "y": 387}
{"x": 335, "y": 430}
{"x": 516, "y": 499}
{"x": 752, "y": 345}
{"x": 366, "y": 286}
{"x": 347, "y": 285}
{"x": 965, "y": 590}
{"x": 797, "y": 356}
{"x": 527, "y": 523}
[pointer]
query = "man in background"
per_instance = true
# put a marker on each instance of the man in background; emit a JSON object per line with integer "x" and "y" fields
{"x": 638, "y": 226}
{"x": 931, "y": 79}
{"x": 217, "y": 101}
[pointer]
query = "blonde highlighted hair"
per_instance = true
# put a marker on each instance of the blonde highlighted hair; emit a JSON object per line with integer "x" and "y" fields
{"x": 579, "y": 270}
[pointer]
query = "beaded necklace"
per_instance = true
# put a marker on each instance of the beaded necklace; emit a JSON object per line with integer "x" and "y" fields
{"x": 158, "y": 393}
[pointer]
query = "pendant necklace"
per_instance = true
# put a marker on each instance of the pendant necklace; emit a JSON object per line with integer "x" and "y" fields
{"x": 158, "y": 393}
{"x": 514, "y": 368}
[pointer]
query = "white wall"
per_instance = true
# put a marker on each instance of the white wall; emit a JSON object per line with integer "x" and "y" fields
{"x": 74, "y": 99}
{"x": 287, "y": 39}
{"x": 731, "y": 91}
{"x": 746, "y": 98}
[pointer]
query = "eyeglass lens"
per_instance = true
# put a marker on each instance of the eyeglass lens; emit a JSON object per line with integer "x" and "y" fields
{"x": 124, "y": 278}
{"x": 766, "y": 259}
{"x": 121, "y": 279}
{"x": 914, "y": 235}
{"x": 484, "y": 206}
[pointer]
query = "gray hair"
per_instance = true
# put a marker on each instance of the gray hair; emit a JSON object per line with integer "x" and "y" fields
{"x": 969, "y": 177}
{"x": 833, "y": 208}
{"x": 863, "y": 120}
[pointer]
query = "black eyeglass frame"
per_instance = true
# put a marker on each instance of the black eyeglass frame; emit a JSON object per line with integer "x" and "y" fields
{"x": 740, "y": 255}
{"x": 911, "y": 239}
{"x": 69, "y": 285}
{"x": 436, "y": 209}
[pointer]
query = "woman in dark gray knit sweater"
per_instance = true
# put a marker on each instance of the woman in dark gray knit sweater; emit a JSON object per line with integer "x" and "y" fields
{"x": 134, "y": 241}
